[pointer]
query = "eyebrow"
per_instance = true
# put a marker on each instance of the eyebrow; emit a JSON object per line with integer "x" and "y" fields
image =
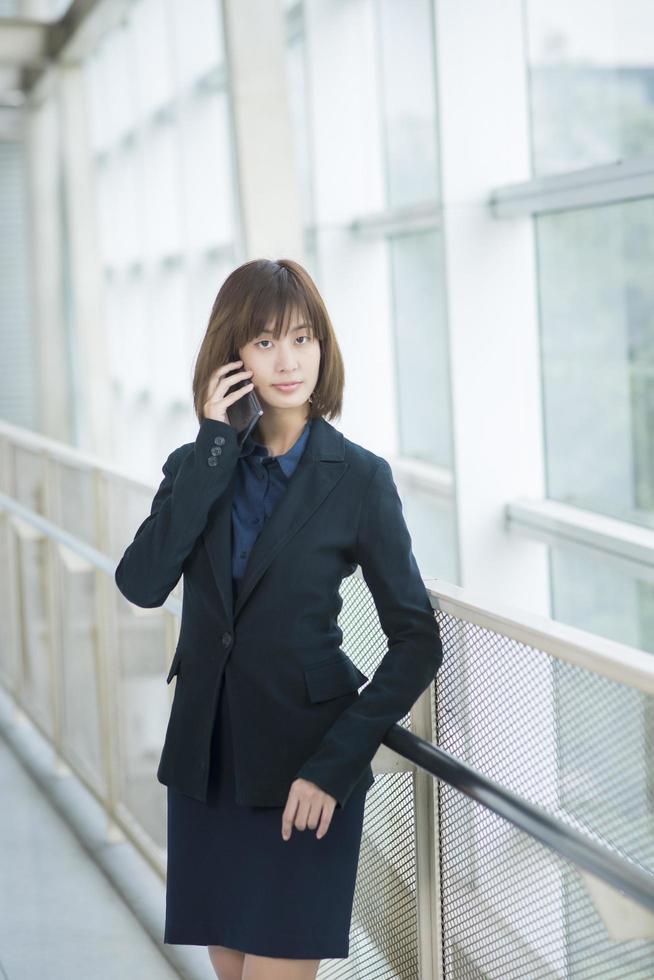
{"x": 300, "y": 326}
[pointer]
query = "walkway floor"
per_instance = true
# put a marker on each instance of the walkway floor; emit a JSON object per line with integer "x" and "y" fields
{"x": 60, "y": 918}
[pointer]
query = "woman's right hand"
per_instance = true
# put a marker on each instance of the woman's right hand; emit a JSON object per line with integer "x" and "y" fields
{"x": 218, "y": 396}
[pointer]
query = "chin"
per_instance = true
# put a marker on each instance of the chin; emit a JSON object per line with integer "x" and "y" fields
{"x": 284, "y": 401}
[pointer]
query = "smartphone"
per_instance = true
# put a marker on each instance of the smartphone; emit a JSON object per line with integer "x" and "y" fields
{"x": 245, "y": 412}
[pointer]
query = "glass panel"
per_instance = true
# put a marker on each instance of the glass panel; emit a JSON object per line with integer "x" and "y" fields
{"x": 409, "y": 100}
{"x": 432, "y": 523}
{"x": 77, "y": 503}
{"x": 421, "y": 349}
{"x": 80, "y": 701}
{"x": 160, "y": 214}
{"x": 9, "y": 626}
{"x": 197, "y": 39}
{"x": 208, "y": 188}
{"x": 171, "y": 356}
{"x": 36, "y": 675}
{"x": 119, "y": 210}
{"x": 596, "y": 297}
{"x": 29, "y": 480}
{"x": 300, "y": 125}
{"x": 108, "y": 68}
{"x": 591, "y": 76}
{"x": 142, "y": 712}
{"x": 152, "y": 61}
{"x": 600, "y": 597}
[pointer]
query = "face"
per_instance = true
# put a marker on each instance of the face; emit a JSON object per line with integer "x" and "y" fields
{"x": 294, "y": 357}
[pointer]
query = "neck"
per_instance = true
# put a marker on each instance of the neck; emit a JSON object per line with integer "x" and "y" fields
{"x": 278, "y": 430}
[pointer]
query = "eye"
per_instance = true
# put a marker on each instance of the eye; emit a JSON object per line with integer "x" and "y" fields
{"x": 301, "y": 337}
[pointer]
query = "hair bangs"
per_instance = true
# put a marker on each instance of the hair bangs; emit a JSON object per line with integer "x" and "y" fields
{"x": 281, "y": 300}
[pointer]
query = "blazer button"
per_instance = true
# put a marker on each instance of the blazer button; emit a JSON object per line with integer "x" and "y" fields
{"x": 212, "y": 461}
{"x": 219, "y": 440}
{"x": 216, "y": 451}
{"x": 227, "y": 639}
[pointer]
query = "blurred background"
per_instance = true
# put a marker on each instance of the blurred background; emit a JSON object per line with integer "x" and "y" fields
{"x": 470, "y": 184}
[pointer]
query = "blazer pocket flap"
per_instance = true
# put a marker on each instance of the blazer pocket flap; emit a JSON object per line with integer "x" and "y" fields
{"x": 174, "y": 667}
{"x": 333, "y": 678}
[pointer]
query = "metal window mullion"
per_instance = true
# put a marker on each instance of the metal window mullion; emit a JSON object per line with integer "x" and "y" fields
{"x": 591, "y": 187}
{"x": 625, "y": 544}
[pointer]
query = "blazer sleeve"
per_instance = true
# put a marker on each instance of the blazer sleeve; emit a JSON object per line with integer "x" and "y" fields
{"x": 152, "y": 564}
{"x": 414, "y": 651}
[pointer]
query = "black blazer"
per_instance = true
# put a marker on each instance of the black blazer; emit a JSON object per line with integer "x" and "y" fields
{"x": 293, "y": 692}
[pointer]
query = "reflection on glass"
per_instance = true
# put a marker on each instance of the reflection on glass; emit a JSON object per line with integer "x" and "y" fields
{"x": 596, "y": 303}
{"x": 591, "y": 76}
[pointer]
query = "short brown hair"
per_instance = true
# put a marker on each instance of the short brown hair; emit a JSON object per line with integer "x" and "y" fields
{"x": 254, "y": 294}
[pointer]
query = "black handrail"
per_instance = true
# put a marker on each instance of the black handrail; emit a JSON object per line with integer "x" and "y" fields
{"x": 615, "y": 870}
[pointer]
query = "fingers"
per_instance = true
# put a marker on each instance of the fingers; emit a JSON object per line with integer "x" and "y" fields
{"x": 239, "y": 393}
{"x": 220, "y": 374}
{"x": 216, "y": 375}
{"x": 288, "y": 816}
{"x": 326, "y": 819}
{"x": 307, "y": 806}
{"x": 218, "y": 399}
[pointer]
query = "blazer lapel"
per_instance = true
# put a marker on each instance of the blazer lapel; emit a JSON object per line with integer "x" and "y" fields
{"x": 321, "y": 466}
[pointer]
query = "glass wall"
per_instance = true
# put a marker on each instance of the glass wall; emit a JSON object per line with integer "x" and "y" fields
{"x": 591, "y": 81}
{"x": 167, "y": 212}
{"x": 591, "y": 89}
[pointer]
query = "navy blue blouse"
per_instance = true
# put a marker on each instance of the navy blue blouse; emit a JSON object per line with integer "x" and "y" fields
{"x": 260, "y": 481}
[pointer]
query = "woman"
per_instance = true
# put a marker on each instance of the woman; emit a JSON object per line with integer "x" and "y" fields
{"x": 268, "y": 747}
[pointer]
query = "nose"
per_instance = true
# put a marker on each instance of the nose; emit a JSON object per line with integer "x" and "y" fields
{"x": 286, "y": 359}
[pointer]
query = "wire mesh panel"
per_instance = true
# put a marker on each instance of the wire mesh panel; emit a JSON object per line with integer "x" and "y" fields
{"x": 577, "y": 745}
{"x": 384, "y": 932}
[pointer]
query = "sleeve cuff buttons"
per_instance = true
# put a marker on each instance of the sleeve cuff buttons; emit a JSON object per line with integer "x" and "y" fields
{"x": 216, "y": 450}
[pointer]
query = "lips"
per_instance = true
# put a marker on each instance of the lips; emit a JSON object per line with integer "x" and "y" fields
{"x": 289, "y": 386}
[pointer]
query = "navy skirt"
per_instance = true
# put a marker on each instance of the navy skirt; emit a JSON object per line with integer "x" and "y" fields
{"x": 232, "y": 880}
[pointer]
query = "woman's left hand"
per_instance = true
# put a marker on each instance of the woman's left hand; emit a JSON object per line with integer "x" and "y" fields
{"x": 306, "y": 805}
